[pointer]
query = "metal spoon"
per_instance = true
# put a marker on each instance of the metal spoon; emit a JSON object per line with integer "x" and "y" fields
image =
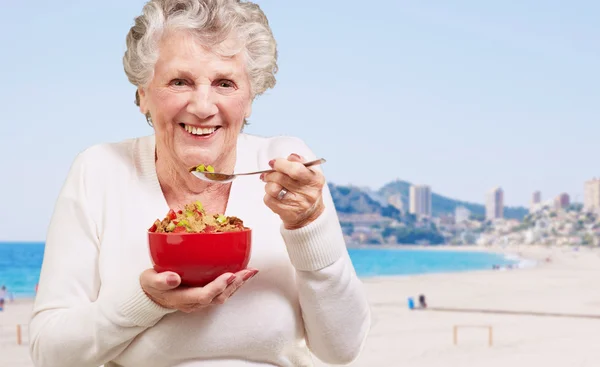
{"x": 225, "y": 177}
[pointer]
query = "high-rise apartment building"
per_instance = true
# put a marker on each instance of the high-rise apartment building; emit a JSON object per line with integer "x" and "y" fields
{"x": 591, "y": 195}
{"x": 536, "y": 201}
{"x": 562, "y": 201}
{"x": 494, "y": 204}
{"x": 420, "y": 200}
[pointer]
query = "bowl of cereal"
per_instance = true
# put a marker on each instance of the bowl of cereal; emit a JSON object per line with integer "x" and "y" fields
{"x": 199, "y": 246}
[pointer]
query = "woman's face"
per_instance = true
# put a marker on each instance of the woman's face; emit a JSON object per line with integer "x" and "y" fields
{"x": 197, "y": 101}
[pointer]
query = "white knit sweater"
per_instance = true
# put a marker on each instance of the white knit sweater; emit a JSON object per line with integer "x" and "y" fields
{"x": 90, "y": 309}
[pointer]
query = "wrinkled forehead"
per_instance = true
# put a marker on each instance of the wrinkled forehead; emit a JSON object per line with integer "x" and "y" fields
{"x": 184, "y": 50}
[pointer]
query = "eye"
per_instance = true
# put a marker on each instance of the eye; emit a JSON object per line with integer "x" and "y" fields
{"x": 178, "y": 83}
{"x": 226, "y": 84}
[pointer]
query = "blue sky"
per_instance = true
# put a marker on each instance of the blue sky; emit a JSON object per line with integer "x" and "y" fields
{"x": 461, "y": 95}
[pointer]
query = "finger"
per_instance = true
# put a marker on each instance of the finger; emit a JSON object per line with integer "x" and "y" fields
{"x": 246, "y": 279}
{"x": 236, "y": 290}
{"x": 273, "y": 189}
{"x": 296, "y": 192}
{"x": 283, "y": 206}
{"x": 272, "y": 203}
{"x": 298, "y": 158}
{"x": 284, "y": 181}
{"x": 241, "y": 278}
{"x": 296, "y": 170}
{"x": 249, "y": 275}
{"x": 217, "y": 286}
{"x": 203, "y": 295}
{"x": 159, "y": 281}
{"x": 243, "y": 272}
{"x": 295, "y": 158}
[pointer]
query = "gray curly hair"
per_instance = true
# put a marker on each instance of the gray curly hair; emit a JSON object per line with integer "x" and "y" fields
{"x": 212, "y": 22}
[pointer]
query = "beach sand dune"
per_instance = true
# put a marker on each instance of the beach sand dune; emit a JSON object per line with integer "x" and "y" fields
{"x": 424, "y": 338}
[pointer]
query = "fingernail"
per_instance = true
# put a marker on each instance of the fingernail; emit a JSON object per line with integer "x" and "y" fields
{"x": 271, "y": 163}
{"x": 171, "y": 279}
{"x": 231, "y": 279}
{"x": 262, "y": 176}
{"x": 297, "y": 156}
{"x": 250, "y": 275}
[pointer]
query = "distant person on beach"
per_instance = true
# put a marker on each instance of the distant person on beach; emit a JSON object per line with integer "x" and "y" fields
{"x": 197, "y": 66}
{"x": 422, "y": 302}
{"x": 3, "y": 294}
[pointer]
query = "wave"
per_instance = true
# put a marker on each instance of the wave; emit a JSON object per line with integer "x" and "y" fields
{"x": 519, "y": 261}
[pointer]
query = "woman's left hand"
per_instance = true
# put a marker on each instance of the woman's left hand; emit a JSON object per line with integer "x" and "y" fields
{"x": 294, "y": 192}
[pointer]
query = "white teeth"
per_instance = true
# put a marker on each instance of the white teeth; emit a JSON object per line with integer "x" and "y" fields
{"x": 199, "y": 131}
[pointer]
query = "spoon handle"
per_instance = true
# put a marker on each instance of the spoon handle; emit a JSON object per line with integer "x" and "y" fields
{"x": 307, "y": 164}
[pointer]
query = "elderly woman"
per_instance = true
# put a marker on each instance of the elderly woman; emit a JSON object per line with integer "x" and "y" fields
{"x": 197, "y": 66}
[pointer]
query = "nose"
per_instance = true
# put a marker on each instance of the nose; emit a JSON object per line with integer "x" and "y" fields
{"x": 201, "y": 102}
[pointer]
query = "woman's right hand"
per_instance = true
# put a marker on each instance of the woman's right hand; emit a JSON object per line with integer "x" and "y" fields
{"x": 163, "y": 289}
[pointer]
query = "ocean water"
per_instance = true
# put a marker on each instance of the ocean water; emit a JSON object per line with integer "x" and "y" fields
{"x": 20, "y": 263}
{"x": 384, "y": 262}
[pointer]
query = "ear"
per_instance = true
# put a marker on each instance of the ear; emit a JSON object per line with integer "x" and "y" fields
{"x": 142, "y": 102}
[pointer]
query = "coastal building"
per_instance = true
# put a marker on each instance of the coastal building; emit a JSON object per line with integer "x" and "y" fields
{"x": 366, "y": 220}
{"x": 536, "y": 202}
{"x": 562, "y": 201}
{"x": 591, "y": 195}
{"x": 494, "y": 204}
{"x": 461, "y": 214}
{"x": 420, "y": 200}
{"x": 446, "y": 220}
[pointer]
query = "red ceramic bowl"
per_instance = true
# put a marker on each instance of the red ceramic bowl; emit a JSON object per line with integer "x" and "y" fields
{"x": 199, "y": 258}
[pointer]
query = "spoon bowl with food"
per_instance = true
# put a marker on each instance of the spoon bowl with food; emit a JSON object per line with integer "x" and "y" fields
{"x": 207, "y": 173}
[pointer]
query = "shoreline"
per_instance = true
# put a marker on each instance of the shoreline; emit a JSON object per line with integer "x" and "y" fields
{"x": 509, "y": 255}
{"x": 523, "y": 258}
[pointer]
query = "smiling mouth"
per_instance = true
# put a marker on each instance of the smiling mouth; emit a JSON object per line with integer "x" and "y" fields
{"x": 200, "y": 131}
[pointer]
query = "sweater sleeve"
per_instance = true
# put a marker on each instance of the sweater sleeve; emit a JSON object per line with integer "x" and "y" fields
{"x": 74, "y": 324}
{"x": 335, "y": 309}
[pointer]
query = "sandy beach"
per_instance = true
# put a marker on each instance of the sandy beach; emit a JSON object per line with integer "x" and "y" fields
{"x": 547, "y": 315}
{"x": 15, "y": 313}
